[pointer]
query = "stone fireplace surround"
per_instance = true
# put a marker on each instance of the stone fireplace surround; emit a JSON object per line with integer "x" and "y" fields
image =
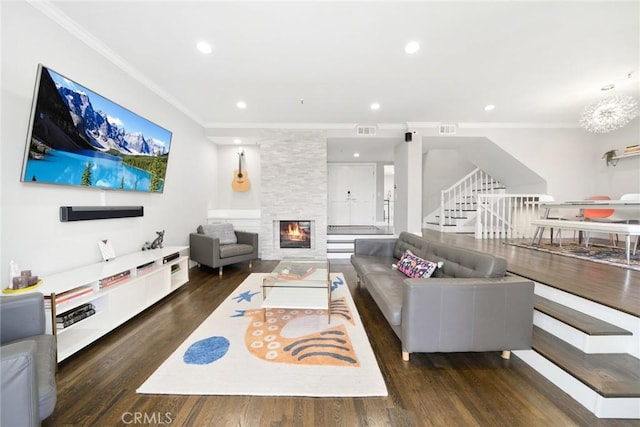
{"x": 293, "y": 182}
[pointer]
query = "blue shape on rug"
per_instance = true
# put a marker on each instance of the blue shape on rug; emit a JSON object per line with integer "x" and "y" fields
{"x": 245, "y": 296}
{"x": 336, "y": 282}
{"x": 239, "y": 313}
{"x": 206, "y": 351}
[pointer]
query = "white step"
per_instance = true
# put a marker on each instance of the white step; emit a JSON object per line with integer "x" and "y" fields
{"x": 600, "y": 406}
{"x": 610, "y": 315}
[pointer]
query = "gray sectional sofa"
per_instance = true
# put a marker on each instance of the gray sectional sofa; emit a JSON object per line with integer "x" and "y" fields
{"x": 470, "y": 304}
{"x": 28, "y": 362}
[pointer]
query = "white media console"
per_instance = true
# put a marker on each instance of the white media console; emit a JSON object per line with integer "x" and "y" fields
{"x": 118, "y": 290}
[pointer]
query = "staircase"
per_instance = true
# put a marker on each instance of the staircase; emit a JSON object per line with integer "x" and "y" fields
{"x": 590, "y": 351}
{"x": 458, "y": 203}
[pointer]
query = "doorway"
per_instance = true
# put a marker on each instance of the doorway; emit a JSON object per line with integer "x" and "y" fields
{"x": 351, "y": 193}
{"x": 389, "y": 193}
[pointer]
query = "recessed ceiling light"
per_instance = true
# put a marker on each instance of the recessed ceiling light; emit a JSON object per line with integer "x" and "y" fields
{"x": 356, "y": 154}
{"x": 204, "y": 47}
{"x": 375, "y": 106}
{"x": 237, "y": 141}
{"x": 489, "y": 107}
{"x": 241, "y": 104}
{"x": 608, "y": 87}
{"x": 412, "y": 47}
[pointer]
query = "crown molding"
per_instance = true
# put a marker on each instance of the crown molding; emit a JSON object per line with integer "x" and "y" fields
{"x": 493, "y": 125}
{"x": 392, "y": 126}
{"x": 322, "y": 126}
{"x": 75, "y": 29}
{"x": 516, "y": 125}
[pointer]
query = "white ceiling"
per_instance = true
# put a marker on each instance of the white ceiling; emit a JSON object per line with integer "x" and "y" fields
{"x": 538, "y": 62}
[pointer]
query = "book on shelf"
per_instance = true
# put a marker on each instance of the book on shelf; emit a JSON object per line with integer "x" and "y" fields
{"x": 70, "y": 314}
{"x": 175, "y": 268}
{"x": 170, "y": 257}
{"x": 67, "y": 296}
{"x": 146, "y": 267}
{"x": 114, "y": 279}
{"x": 75, "y": 319}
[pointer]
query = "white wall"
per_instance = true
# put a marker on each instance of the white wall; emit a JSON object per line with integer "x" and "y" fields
{"x": 569, "y": 159}
{"x": 440, "y": 170}
{"x": 401, "y": 162}
{"x": 31, "y": 233}
{"x": 408, "y": 173}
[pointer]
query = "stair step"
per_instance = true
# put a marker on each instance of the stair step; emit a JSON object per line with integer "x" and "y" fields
{"x": 339, "y": 251}
{"x": 580, "y": 321}
{"x": 489, "y": 188}
{"x": 610, "y": 375}
{"x": 329, "y": 241}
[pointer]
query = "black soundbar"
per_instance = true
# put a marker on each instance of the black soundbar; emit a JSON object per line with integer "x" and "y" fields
{"x": 84, "y": 213}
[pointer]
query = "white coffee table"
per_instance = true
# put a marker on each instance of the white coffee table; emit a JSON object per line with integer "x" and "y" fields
{"x": 298, "y": 284}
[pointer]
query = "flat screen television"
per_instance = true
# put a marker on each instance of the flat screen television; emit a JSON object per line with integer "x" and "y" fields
{"x": 79, "y": 138}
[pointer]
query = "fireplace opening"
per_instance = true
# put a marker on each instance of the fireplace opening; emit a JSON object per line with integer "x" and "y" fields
{"x": 295, "y": 234}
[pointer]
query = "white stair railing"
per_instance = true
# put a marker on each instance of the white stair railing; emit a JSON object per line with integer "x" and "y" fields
{"x": 506, "y": 216}
{"x": 461, "y": 196}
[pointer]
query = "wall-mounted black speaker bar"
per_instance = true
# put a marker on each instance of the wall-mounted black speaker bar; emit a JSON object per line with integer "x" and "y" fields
{"x": 84, "y": 213}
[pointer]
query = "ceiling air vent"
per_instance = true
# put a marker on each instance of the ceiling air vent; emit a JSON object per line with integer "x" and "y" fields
{"x": 447, "y": 129}
{"x": 366, "y": 130}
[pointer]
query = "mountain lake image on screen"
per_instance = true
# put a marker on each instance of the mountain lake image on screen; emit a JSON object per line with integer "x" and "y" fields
{"x": 79, "y": 138}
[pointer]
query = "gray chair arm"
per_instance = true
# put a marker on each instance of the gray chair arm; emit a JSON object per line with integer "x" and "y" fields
{"x": 374, "y": 247}
{"x": 204, "y": 249}
{"x": 248, "y": 238}
{"x": 21, "y": 316}
{"x": 19, "y": 384}
{"x": 453, "y": 314}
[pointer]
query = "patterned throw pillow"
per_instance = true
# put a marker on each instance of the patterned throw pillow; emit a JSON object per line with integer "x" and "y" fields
{"x": 416, "y": 267}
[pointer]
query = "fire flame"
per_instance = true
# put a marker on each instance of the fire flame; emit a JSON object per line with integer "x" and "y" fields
{"x": 294, "y": 232}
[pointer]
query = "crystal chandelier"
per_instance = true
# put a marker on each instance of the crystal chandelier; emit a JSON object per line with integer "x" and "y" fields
{"x": 609, "y": 114}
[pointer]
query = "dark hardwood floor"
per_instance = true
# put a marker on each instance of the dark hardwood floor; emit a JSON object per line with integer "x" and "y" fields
{"x": 96, "y": 387}
{"x": 614, "y": 287}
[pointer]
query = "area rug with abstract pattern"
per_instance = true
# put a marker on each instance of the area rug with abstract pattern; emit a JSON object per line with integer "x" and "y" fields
{"x": 600, "y": 253}
{"x": 242, "y": 350}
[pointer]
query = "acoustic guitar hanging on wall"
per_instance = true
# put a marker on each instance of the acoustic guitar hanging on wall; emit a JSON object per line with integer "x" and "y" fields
{"x": 240, "y": 180}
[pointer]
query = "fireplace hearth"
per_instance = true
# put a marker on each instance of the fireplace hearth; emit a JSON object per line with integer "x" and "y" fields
{"x": 295, "y": 234}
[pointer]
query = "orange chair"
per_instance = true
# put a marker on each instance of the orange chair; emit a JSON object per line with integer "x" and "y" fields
{"x": 623, "y": 216}
{"x": 597, "y": 214}
{"x": 588, "y": 214}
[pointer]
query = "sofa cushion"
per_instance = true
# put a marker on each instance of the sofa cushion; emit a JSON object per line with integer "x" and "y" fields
{"x": 407, "y": 241}
{"x": 235, "y": 249}
{"x": 415, "y": 267}
{"x": 459, "y": 262}
{"x": 223, "y": 231}
{"x": 386, "y": 291}
{"x": 365, "y": 264}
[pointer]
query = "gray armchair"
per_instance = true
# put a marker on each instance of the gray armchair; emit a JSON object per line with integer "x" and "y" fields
{"x": 217, "y": 245}
{"x": 28, "y": 361}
